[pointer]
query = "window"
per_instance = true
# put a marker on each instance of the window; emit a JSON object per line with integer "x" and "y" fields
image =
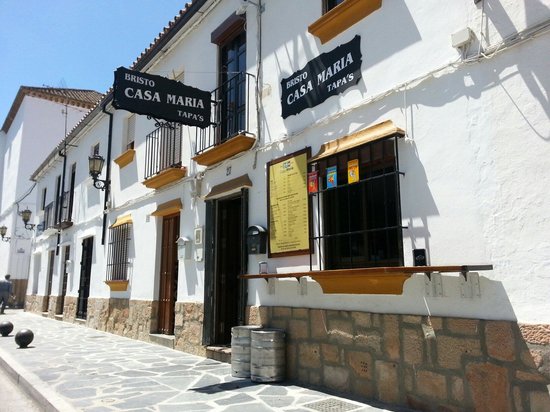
{"x": 95, "y": 149}
{"x": 43, "y": 203}
{"x": 58, "y": 199}
{"x": 359, "y": 217}
{"x": 130, "y": 132}
{"x": 340, "y": 15}
{"x": 71, "y": 192}
{"x": 117, "y": 259}
{"x": 233, "y": 86}
{"x": 330, "y": 4}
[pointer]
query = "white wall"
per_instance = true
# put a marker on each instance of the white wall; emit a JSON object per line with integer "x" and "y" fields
{"x": 475, "y": 154}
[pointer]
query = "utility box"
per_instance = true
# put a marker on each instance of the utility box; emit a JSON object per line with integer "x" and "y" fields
{"x": 256, "y": 239}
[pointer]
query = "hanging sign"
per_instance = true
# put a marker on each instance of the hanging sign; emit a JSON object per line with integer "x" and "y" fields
{"x": 327, "y": 75}
{"x": 161, "y": 98}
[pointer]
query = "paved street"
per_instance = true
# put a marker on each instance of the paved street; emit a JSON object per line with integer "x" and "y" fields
{"x": 74, "y": 368}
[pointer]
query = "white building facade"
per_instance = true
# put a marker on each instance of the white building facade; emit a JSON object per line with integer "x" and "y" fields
{"x": 350, "y": 142}
{"x": 37, "y": 118}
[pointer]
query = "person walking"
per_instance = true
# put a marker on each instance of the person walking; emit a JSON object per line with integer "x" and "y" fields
{"x": 5, "y": 291}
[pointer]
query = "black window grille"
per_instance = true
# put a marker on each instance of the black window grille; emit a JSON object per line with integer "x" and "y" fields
{"x": 117, "y": 258}
{"x": 65, "y": 212}
{"x": 358, "y": 224}
{"x": 163, "y": 149}
{"x": 49, "y": 215}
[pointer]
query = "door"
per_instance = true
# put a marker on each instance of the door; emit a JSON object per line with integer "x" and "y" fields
{"x": 51, "y": 259}
{"x": 168, "y": 286}
{"x": 85, "y": 274}
{"x": 225, "y": 293}
{"x": 61, "y": 300}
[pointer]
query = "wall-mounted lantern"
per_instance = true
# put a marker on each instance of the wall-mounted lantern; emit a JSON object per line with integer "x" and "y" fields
{"x": 3, "y": 230}
{"x": 26, "y": 217}
{"x": 95, "y": 164}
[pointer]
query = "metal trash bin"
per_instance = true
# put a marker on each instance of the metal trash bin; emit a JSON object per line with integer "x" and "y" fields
{"x": 240, "y": 350}
{"x": 267, "y": 355}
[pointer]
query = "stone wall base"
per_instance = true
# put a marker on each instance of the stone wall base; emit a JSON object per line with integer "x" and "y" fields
{"x": 35, "y": 303}
{"x": 427, "y": 363}
{"x": 134, "y": 319}
{"x": 188, "y": 328}
{"x": 430, "y": 364}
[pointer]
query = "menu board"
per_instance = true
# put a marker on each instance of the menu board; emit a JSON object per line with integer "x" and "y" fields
{"x": 288, "y": 205}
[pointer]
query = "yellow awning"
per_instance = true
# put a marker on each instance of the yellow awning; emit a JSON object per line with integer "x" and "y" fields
{"x": 370, "y": 134}
{"x": 122, "y": 220}
{"x": 168, "y": 208}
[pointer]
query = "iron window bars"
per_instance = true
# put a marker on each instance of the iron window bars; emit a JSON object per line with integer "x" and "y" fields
{"x": 117, "y": 258}
{"x": 357, "y": 225}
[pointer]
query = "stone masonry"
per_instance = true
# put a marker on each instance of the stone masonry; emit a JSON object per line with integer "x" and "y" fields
{"x": 134, "y": 319}
{"x": 188, "y": 328}
{"x": 430, "y": 364}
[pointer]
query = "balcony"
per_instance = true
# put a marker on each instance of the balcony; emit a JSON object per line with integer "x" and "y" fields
{"x": 163, "y": 156}
{"x": 229, "y": 133}
{"x": 64, "y": 217}
{"x": 48, "y": 224}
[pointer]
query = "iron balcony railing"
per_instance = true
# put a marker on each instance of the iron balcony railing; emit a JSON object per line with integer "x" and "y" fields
{"x": 64, "y": 213}
{"x": 163, "y": 149}
{"x": 231, "y": 112}
{"x": 49, "y": 216}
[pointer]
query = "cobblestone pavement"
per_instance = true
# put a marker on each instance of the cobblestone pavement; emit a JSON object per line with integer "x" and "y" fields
{"x": 70, "y": 367}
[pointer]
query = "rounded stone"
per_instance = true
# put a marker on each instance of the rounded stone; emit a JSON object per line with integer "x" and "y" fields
{"x": 6, "y": 327}
{"x": 24, "y": 337}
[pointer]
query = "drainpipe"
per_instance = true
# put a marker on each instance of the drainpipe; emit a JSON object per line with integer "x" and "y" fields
{"x": 63, "y": 153}
{"x": 108, "y": 172}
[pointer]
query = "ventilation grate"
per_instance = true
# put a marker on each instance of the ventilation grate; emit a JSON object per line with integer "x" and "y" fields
{"x": 332, "y": 405}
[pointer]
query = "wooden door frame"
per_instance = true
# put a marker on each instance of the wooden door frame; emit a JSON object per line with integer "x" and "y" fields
{"x": 167, "y": 328}
{"x": 211, "y": 269}
{"x": 49, "y": 280}
{"x": 82, "y": 312}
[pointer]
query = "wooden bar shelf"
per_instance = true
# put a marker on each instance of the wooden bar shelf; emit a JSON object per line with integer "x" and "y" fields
{"x": 379, "y": 280}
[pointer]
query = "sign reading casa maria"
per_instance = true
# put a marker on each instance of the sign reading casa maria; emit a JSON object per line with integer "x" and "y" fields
{"x": 329, "y": 74}
{"x": 161, "y": 98}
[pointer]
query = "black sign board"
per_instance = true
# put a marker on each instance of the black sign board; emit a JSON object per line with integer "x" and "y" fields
{"x": 327, "y": 75}
{"x": 161, "y": 98}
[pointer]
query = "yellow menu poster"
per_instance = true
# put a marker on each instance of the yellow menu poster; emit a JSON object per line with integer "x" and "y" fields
{"x": 288, "y": 205}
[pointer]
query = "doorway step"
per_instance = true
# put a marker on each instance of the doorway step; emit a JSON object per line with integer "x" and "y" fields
{"x": 163, "y": 340}
{"x": 219, "y": 353}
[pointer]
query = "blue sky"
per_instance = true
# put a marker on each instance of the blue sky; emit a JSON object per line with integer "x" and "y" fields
{"x": 74, "y": 43}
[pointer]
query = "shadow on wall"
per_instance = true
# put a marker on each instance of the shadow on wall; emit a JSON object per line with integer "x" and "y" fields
{"x": 128, "y": 175}
{"x": 417, "y": 199}
{"x": 535, "y": 76}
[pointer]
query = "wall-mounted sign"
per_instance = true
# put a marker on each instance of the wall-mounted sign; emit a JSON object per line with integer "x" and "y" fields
{"x": 288, "y": 205}
{"x": 327, "y": 75}
{"x": 161, "y": 98}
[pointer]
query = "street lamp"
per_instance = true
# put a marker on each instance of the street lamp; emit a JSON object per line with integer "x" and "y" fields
{"x": 26, "y": 216}
{"x": 3, "y": 230}
{"x": 95, "y": 163}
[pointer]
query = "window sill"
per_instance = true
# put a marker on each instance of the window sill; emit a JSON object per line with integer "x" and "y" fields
{"x": 125, "y": 158}
{"x": 117, "y": 285}
{"x": 368, "y": 281}
{"x": 342, "y": 17}
{"x": 165, "y": 177}
{"x": 225, "y": 150}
